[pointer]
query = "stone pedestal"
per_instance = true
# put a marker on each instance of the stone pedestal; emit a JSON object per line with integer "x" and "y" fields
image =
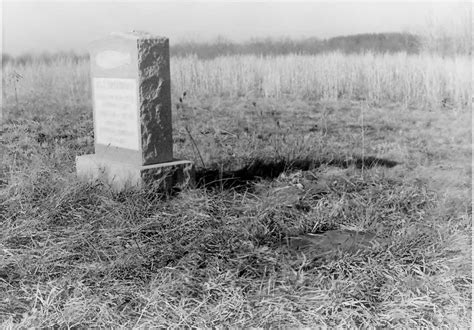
{"x": 122, "y": 175}
{"x": 131, "y": 89}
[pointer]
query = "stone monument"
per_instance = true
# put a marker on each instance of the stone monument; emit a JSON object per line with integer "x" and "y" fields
{"x": 131, "y": 89}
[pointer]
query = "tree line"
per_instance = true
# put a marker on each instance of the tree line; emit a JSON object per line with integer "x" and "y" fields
{"x": 374, "y": 42}
{"x": 359, "y": 43}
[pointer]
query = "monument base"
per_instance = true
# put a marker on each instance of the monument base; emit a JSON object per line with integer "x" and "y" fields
{"x": 120, "y": 175}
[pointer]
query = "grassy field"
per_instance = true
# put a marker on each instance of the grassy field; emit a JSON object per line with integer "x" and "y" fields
{"x": 292, "y": 146}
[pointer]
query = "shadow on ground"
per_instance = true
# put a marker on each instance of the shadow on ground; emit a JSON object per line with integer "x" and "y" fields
{"x": 264, "y": 169}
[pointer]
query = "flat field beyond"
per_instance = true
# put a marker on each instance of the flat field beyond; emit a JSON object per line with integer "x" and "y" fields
{"x": 291, "y": 146}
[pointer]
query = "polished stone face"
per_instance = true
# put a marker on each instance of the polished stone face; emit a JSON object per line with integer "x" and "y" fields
{"x": 116, "y": 112}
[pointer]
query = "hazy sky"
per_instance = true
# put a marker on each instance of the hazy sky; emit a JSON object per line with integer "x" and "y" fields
{"x": 64, "y": 25}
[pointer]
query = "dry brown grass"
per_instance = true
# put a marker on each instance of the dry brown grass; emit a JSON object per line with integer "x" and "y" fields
{"x": 75, "y": 254}
{"x": 413, "y": 81}
{"x": 427, "y": 81}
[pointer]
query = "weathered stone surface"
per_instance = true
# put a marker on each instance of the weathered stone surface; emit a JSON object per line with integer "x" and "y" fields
{"x": 155, "y": 100}
{"x": 120, "y": 175}
{"x": 176, "y": 174}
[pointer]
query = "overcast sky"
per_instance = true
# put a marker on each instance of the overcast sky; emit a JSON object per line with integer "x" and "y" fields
{"x": 37, "y": 26}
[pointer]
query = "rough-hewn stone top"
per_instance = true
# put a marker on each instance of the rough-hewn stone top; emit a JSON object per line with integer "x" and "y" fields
{"x": 137, "y": 35}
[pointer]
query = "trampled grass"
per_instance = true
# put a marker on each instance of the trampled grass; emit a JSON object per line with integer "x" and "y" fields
{"x": 277, "y": 167}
